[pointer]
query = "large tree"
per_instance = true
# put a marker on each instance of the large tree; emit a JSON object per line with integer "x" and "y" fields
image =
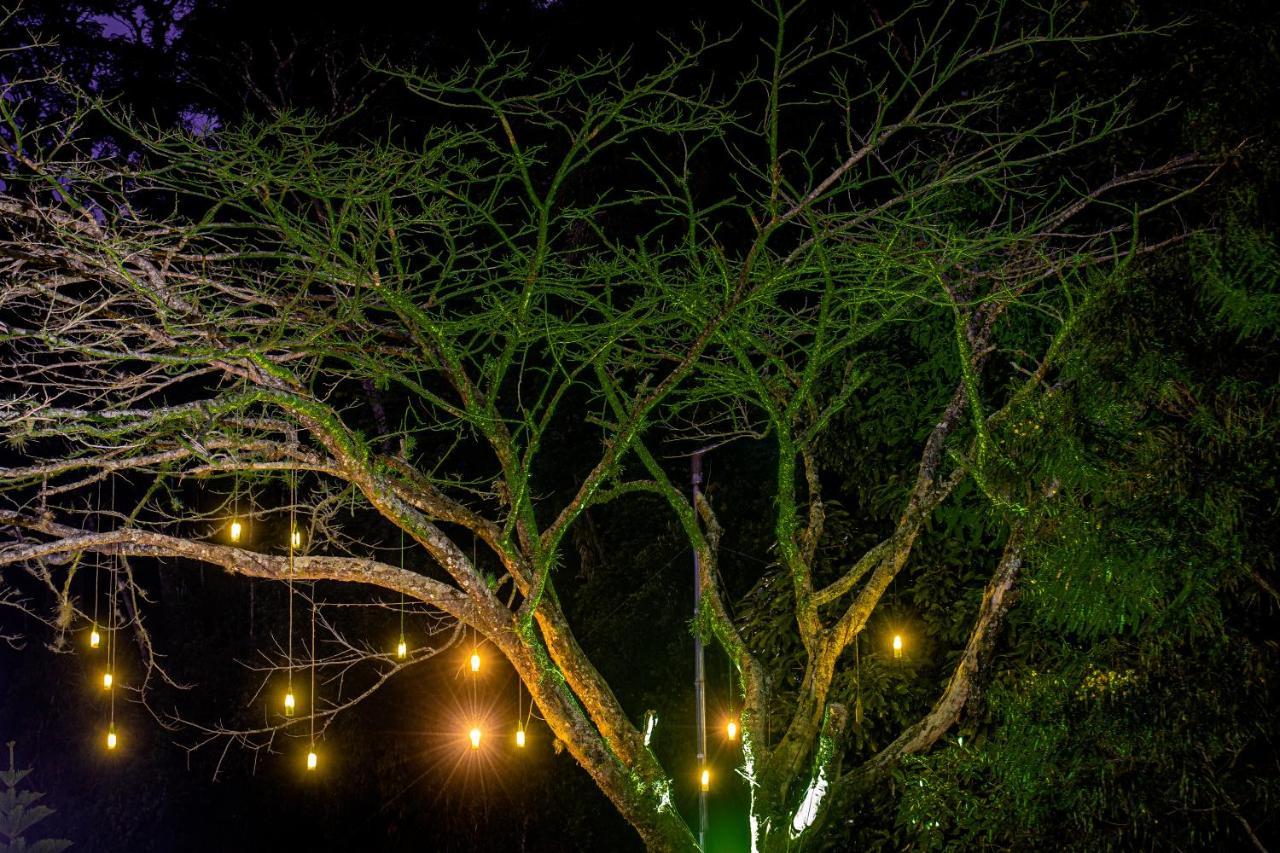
{"x": 642, "y": 263}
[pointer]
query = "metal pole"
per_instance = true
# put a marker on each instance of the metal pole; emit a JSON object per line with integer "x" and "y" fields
{"x": 699, "y": 679}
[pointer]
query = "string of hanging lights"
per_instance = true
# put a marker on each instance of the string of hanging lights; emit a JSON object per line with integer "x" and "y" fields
{"x": 236, "y": 530}
{"x": 402, "y": 650}
{"x": 95, "y": 639}
{"x": 108, "y": 677}
{"x": 312, "y": 759}
{"x": 294, "y": 541}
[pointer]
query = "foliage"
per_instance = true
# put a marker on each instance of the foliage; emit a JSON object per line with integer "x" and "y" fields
{"x": 1136, "y": 705}
{"x": 20, "y": 811}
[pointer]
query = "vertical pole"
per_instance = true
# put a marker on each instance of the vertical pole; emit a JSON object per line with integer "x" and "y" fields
{"x": 699, "y": 677}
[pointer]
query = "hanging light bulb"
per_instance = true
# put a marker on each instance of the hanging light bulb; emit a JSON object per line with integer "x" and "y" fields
{"x": 520, "y": 737}
{"x": 474, "y": 734}
{"x": 95, "y": 639}
{"x": 106, "y": 681}
{"x": 402, "y": 650}
{"x": 235, "y": 530}
{"x": 706, "y": 780}
{"x": 475, "y": 661}
{"x": 731, "y": 729}
{"x": 312, "y": 760}
{"x": 897, "y": 646}
{"x": 296, "y": 538}
{"x": 288, "y": 704}
{"x": 111, "y": 738}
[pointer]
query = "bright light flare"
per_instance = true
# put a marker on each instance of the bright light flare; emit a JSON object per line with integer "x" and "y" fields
{"x": 475, "y": 661}
{"x": 520, "y": 738}
{"x": 111, "y": 739}
{"x": 706, "y": 780}
{"x": 235, "y": 530}
{"x": 731, "y": 730}
{"x": 312, "y": 760}
{"x": 474, "y": 734}
{"x": 107, "y": 681}
{"x": 95, "y": 639}
{"x": 897, "y": 645}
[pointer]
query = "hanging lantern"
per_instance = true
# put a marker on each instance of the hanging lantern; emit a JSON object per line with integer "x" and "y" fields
{"x": 897, "y": 646}
{"x": 474, "y": 734}
{"x": 106, "y": 680}
{"x": 706, "y": 780}
{"x": 312, "y": 760}
{"x": 475, "y": 661}
{"x": 95, "y": 639}
{"x": 520, "y": 737}
{"x": 402, "y": 650}
{"x": 111, "y": 738}
{"x": 288, "y": 704}
{"x": 731, "y": 730}
{"x": 235, "y": 530}
{"x": 296, "y": 538}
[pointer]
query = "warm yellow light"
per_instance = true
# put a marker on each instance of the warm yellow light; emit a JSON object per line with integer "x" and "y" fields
{"x": 312, "y": 760}
{"x": 111, "y": 739}
{"x": 475, "y": 738}
{"x": 95, "y": 639}
{"x": 706, "y": 780}
{"x": 731, "y": 729}
{"x": 106, "y": 680}
{"x": 475, "y": 661}
{"x": 235, "y": 531}
{"x": 297, "y": 539}
{"x": 897, "y": 645}
{"x": 288, "y": 704}
{"x": 402, "y": 650}
{"x": 520, "y": 737}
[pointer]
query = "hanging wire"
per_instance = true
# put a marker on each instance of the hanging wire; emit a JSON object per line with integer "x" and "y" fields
{"x": 94, "y": 638}
{"x": 111, "y": 636}
{"x": 857, "y": 682}
{"x": 293, "y": 494}
{"x": 313, "y": 666}
{"x": 97, "y": 568}
{"x": 401, "y": 650}
{"x": 733, "y": 716}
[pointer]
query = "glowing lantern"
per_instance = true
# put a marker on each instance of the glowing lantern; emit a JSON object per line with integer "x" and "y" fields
{"x": 731, "y": 730}
{"x": 475, "y": 738}
{"x": 520, "y": 738}
{"x": 95, "y": 639}
{"x": 897, "y": 645}
{"x": 475, "y": 661}
{"x": 312, "y": 760}
{"x": 106, "y": 680}
{"x": 111, "y": 738}
{"x": 235, "y": 530}
{"x": 296, "y": 539}
{"x": 288, "y": 704}
{"x": 706, "y": 780}
{"x": 402, "y": 650}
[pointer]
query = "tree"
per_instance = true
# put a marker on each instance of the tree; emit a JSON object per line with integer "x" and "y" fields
{"x": 19, "y": 812}
{"x": 648, "y": 263}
